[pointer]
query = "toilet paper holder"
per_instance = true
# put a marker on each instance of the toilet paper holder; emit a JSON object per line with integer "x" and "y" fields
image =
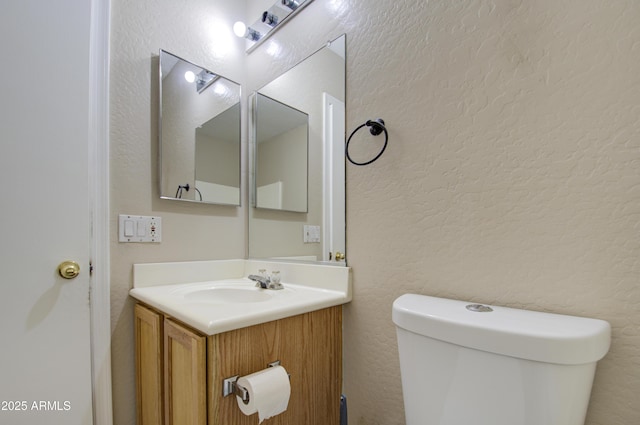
{"x": 230, "y": 386}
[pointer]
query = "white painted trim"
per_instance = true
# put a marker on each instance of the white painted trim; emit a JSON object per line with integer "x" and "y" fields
{"x": 333, "y": 195}
{"x": 98, "y": 163}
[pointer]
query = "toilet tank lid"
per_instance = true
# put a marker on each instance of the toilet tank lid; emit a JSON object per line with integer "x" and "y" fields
{"x": 544, "y": 337}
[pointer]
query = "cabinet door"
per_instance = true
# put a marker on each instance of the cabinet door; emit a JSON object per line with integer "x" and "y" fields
{"x": 148, "y": 329}
{"x": 310, "y": 349}
{"x": 185, "y": 376}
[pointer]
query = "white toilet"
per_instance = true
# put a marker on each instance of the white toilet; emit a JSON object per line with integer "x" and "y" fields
{"x": 465, "y": 363}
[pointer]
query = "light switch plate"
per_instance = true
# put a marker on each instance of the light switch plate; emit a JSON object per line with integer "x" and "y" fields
{"x": 139, "y": 228}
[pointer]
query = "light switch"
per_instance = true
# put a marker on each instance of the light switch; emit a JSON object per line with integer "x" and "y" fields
{"x": 128, "y": 228}
{"x": 139, "y": 228}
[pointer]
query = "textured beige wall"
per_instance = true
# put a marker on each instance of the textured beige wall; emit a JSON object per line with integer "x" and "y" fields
{"x": 199, "y": 32}
{"x": 511, "y": 176}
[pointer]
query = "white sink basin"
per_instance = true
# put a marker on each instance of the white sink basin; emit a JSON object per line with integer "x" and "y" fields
{"x": 226, "y": 294}
{"x": 219, "y": 306}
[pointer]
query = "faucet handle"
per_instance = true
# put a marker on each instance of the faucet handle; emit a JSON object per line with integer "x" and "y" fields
{"x": 275, "y": 276}
{"x": 275, "y": 280}
{"x": 276, "y": 285}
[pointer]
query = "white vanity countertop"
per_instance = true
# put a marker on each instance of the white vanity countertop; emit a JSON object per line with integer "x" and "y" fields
{"x": 229, "y": 300}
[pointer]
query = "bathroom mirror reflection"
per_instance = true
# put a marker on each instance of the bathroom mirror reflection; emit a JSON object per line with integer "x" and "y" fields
{"x": 199, "y": 133}
{"x": 281, "y": 140}
{"x": 316, "y": 86}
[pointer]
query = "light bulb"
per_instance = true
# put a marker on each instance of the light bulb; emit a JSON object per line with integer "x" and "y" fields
{"x": 189, "y": 76}
{"x": 239, "y": 29}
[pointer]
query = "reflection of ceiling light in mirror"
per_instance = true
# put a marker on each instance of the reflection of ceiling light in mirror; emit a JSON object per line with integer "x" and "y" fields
{"x": 205, "y": 79}
{"x": 189, "y": 76}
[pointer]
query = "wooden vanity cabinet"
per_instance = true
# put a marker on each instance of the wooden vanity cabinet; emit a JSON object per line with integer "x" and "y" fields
{"x": 149, "y": 332}
{"x": 185, "y": 375}
{"x": 309, "y": 347}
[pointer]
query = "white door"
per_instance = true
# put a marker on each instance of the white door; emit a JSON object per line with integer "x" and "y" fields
{"x": 333, "y": 179}
{"x": 45, "y": 359}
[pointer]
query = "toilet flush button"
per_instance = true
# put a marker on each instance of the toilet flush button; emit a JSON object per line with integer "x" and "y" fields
{"x": 479, "y": 308}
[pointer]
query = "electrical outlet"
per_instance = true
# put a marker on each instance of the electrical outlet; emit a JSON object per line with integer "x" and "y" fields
{"x": 311, "y": 234}
{"x": 139, "y": 228}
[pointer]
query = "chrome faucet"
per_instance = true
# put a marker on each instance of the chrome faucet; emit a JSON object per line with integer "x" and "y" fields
{"x": 261, "y": 282}
{"x": 265, "y": 282}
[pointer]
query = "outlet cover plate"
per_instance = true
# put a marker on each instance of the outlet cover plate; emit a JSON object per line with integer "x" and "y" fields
{"x": 139, "y": 228}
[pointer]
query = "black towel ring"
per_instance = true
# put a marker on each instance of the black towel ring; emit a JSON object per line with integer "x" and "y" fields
{"x": 376, "y": 128}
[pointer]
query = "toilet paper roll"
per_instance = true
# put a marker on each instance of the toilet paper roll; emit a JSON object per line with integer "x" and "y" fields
{"x": 269, "y": 391}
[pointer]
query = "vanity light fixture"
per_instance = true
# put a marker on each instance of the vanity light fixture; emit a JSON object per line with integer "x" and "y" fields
{"x": 270, "y": 20}
{"x": 241, "y": 30}
{"x": 291, "y": 4}
{"x": 253, "y": 35}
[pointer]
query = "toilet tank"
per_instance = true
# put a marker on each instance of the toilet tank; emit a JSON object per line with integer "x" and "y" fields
{"x": 487, "y": 365}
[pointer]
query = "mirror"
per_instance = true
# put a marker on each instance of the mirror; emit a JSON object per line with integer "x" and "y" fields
{"x": 199, "y": 133}
{"x": 316, "y": 86}
{"x": 281, "y": 140}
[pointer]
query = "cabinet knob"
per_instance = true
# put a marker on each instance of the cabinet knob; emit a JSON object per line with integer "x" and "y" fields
{"x": 339, "y": 256}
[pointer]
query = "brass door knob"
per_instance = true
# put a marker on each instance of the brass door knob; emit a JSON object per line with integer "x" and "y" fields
{"x": 69, "y": 269}
{"x": 339, "y": 256}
